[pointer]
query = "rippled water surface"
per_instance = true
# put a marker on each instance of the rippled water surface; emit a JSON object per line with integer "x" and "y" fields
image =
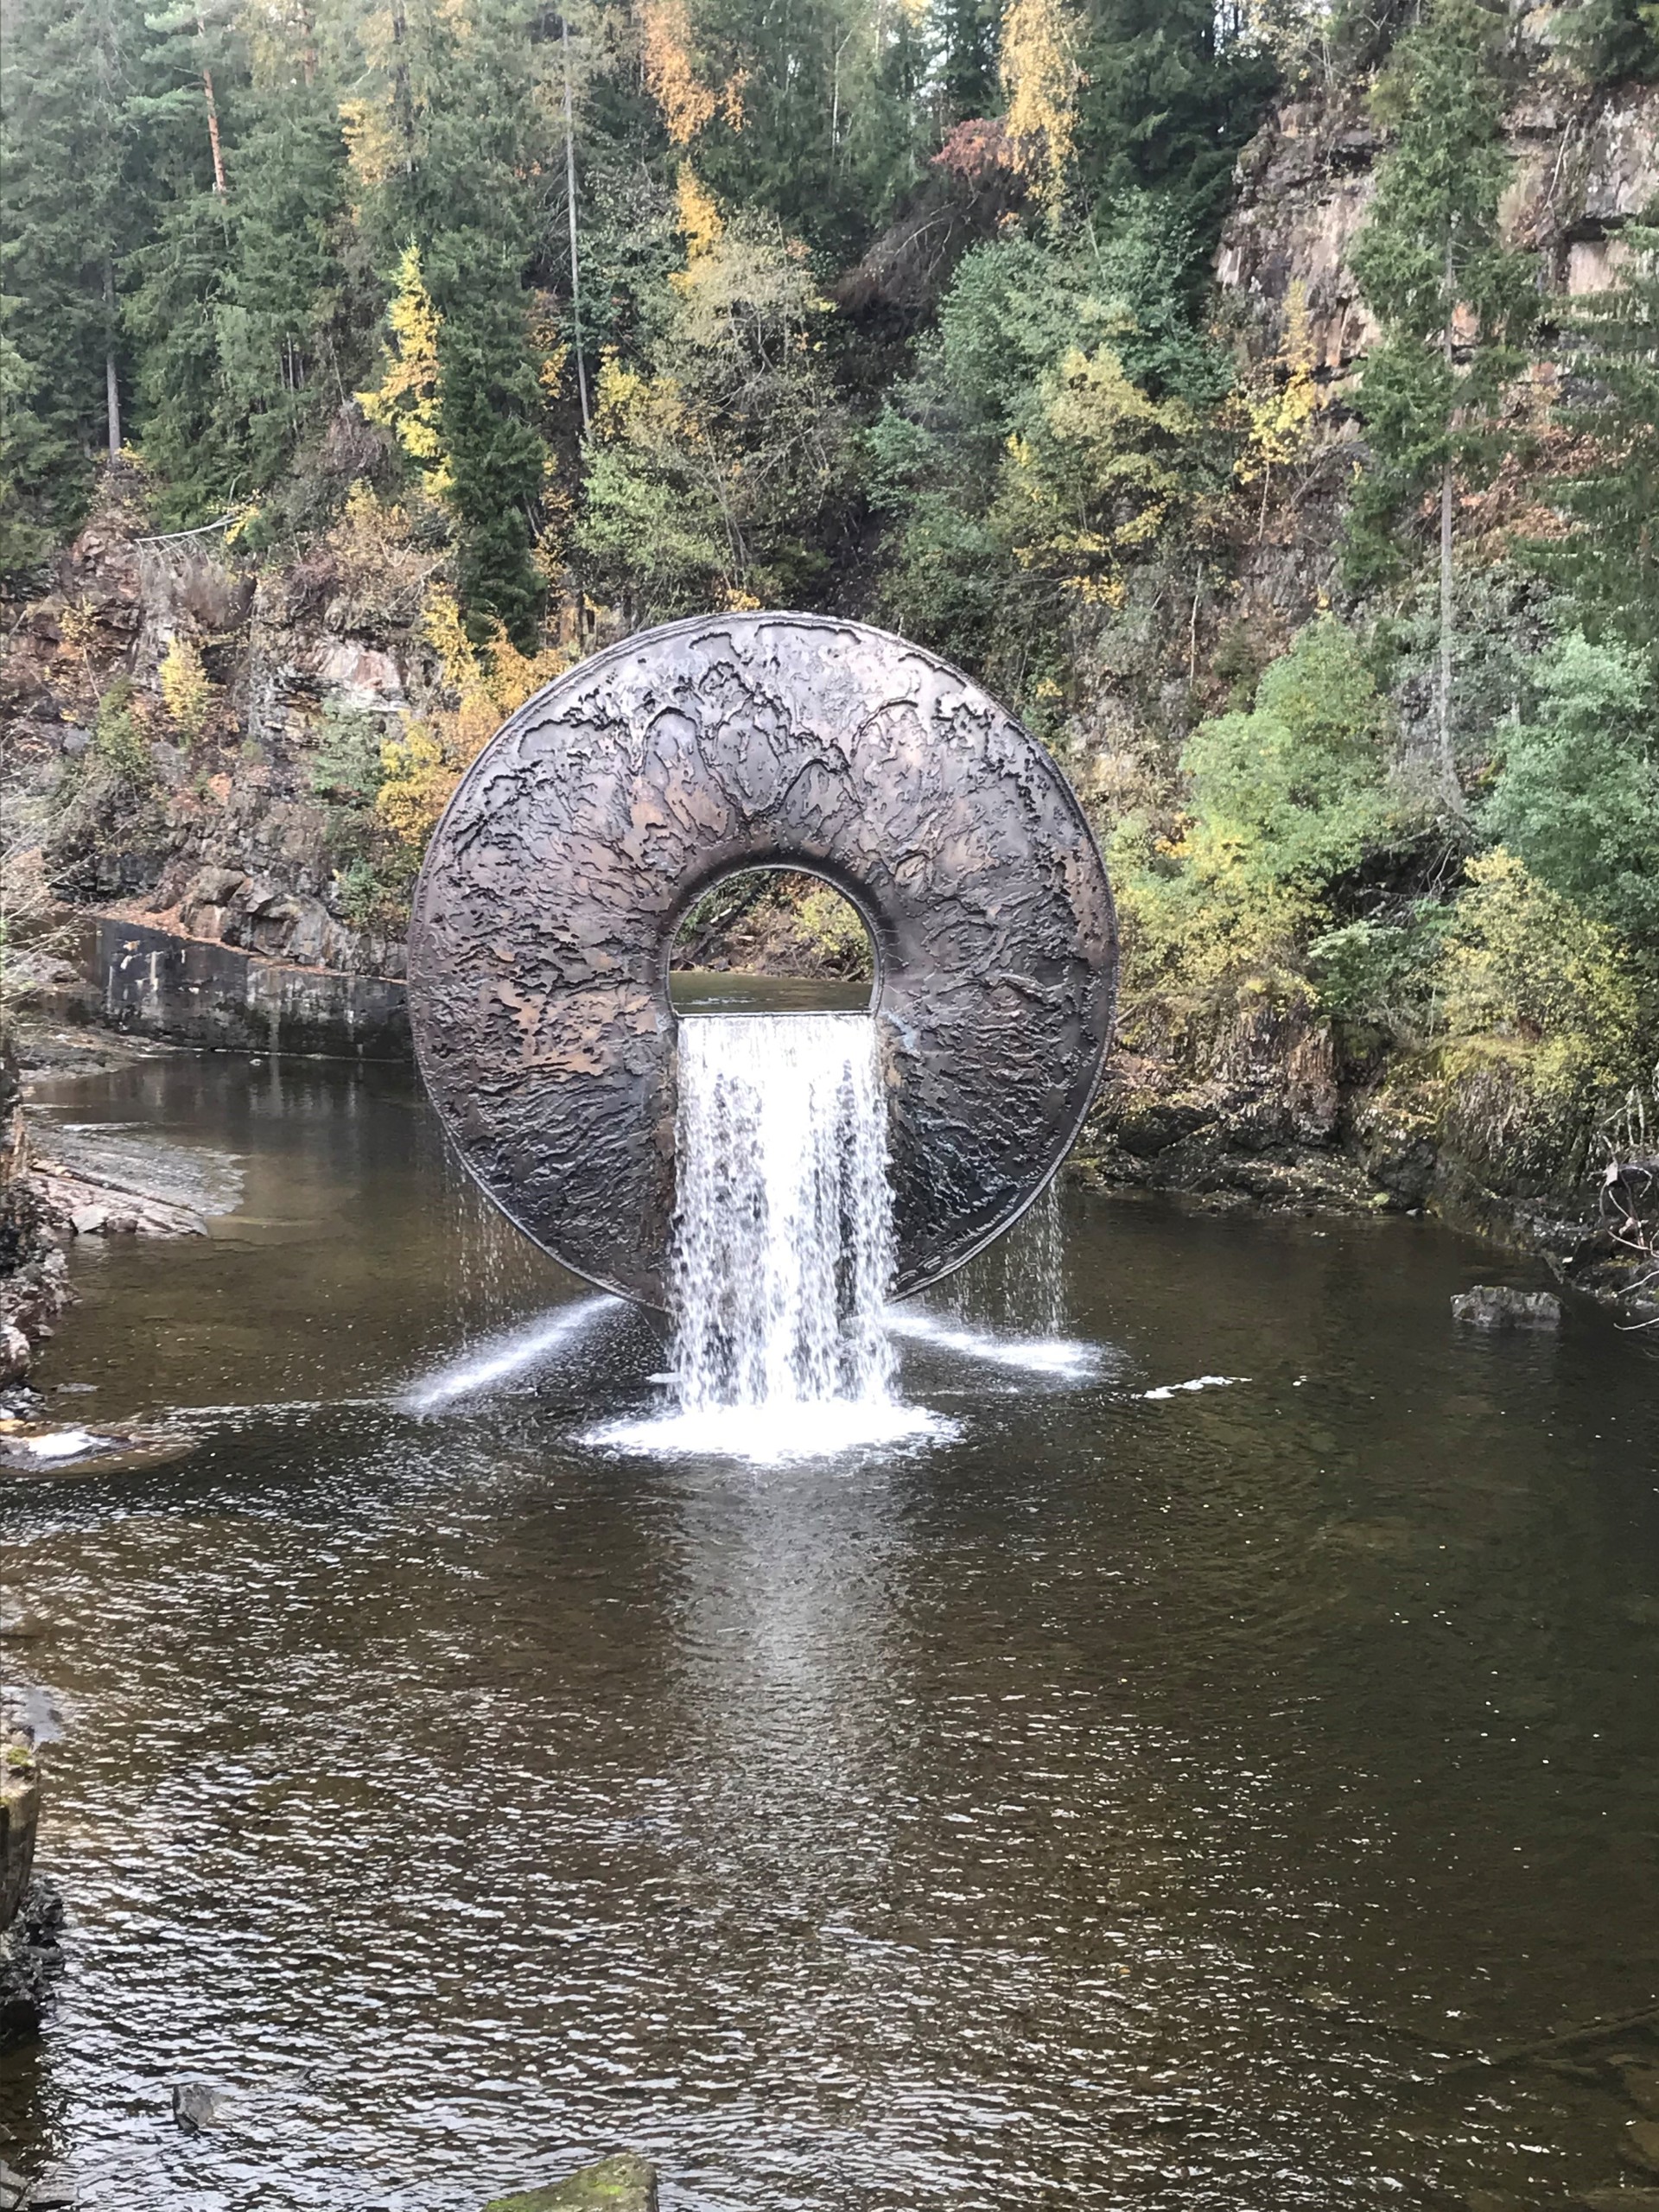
{"x": 1133, "y": 1801}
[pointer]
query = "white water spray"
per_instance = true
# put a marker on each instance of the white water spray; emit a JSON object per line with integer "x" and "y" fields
{"x": 504, "y": 1358}
{"x": 783, "y": 1247}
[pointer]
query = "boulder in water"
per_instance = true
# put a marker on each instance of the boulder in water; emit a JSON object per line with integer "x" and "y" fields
{"x": 197, "y": 2105}
{"x": 625, "y": 2184}
{"x": 1495, "y": 1306}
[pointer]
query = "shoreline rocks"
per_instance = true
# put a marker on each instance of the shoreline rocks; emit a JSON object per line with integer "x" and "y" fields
{"x": 31, "y": 1952}
{"x": 1496, "y": 1306}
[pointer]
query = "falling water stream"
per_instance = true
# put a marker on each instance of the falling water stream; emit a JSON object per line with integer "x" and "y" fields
{"x": 783, "y": 1219}
{"x": 782, "y": 1243}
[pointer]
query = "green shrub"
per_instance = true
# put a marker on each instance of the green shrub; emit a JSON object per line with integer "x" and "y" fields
{"x": 1293, "y": 793}
{"x": 120, "y": 742}
{"x": 1577, "y": 795}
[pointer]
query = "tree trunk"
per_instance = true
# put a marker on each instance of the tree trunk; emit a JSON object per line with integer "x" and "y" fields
{"x": 1443, "y": 716}
{"x": 212, "y": 114}
{"x": 1448, "y": 750}
{"x": 570, "y": 200}
{"x": 111, "y": 383}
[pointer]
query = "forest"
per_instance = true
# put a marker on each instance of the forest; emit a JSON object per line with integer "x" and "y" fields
{"x": 536, "y": 327}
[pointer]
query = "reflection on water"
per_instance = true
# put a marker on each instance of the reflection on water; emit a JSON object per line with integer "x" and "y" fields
{"x": 1138, "y": 1800}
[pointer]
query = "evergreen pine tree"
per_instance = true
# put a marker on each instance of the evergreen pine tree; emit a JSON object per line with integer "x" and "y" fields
{"x": 1614, "y": 39}
{"x": 71, "y": 209}
{"x": 1451, "y": 298}
{"x": 1608, "y": 566}
{"x": 968, "y": 40}
{"x": 466, "y": 172}
{"x": 1166, "y": 104}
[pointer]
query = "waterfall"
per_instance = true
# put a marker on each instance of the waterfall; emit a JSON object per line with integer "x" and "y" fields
{"x": 783, "y": 1245}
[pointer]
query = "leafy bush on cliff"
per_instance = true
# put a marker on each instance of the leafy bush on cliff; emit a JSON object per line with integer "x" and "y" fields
{"x": 1285, "y": 801}
{"x": 1577, "y": 794}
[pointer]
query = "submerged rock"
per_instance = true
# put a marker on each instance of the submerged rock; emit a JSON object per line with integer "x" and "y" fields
{"x": 197, "y": 2105}
{"x": 115, "y": 1448}
{"x": 1495, "y": 1306}
{"x": 625, "y": 2184}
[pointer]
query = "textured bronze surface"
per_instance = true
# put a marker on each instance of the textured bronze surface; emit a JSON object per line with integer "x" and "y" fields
{"x": 547, "y": 907}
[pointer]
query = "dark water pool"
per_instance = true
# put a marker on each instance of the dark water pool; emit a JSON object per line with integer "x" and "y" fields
{"x": 1143, "y": 1802}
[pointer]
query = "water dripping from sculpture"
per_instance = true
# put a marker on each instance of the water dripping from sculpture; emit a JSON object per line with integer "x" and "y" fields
{"x": 783, "y": 1249}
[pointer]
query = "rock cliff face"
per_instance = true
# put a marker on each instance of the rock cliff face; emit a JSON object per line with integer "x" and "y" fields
{"x": 1586, "y": 164}
{"x": 217, "y": 832}
{"x": 1263, "y": 1112}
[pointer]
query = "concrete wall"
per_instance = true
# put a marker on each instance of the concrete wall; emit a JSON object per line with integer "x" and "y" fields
{"x": 191, "y": 991}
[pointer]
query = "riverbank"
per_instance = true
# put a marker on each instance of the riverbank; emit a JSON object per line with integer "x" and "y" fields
{"x": 59, "y": 1184}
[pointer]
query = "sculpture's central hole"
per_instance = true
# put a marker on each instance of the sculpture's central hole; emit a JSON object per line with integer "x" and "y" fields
{"x": 772, "y": 940}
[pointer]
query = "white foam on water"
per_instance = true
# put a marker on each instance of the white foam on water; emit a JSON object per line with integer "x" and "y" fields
{"x": 783, "y": 1246}
{"x": 501, "y": 1359}
{"x": 1197, "y": 1382}
{"x": 65, "y": 1444}
{"x": 1060, "y": 1356}
{"x": 770, "y": 1435}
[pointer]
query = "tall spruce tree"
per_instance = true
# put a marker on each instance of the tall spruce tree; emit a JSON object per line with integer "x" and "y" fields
{"x": 71, "y": 211}
{"x": 968, "y": 43}
{"x": 1607, "y": 567}
{"x": 181, "y": 275}
{"x": 461, "y": 157}
{"x": 1452, "y": 300}
{"x": 1168, "y": 100}
{"x": 1613, "y": 39}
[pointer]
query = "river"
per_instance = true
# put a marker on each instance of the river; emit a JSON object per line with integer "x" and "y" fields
{"x": 1129, "y": 1796}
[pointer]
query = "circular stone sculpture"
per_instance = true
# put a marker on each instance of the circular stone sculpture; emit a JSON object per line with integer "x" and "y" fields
{"x": 607, "y": 805}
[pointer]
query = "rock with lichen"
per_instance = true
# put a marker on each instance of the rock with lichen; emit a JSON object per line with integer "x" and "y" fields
{"x": 625, "y": 2184}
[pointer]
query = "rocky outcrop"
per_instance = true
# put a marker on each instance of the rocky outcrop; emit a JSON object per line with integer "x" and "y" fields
{"x": 216, "y": 826}
{"x": 33, "y": 1275}
{"x": 1260, "y": 1127}
{"x": 1586, "y": 164}
{"x": 30, "y": 1913}
{"x": 198, "y": 991}
{"x": 31, "y": 1952}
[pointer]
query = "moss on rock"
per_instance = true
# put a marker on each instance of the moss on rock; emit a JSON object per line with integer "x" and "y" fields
{"x": 625, "y": 2184}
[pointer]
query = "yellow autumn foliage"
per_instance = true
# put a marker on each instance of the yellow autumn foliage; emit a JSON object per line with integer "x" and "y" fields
{"x": 1039, "y": 73}
{"x": 424, "y": 764}
{"x": 687, "y": 105}
{"x": 370, "y": 144}
{"x": 1279, "y": 401}
{"x": 699, "y": 218}
{"x": 409, "y": 399}
{"x": 685, "y": 101}
{"x": 187, "y": 689}
{"x": 1099, "y": 475}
